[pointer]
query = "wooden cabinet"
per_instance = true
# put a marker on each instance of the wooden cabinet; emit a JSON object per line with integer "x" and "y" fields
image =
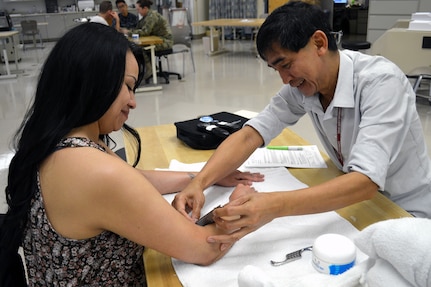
{"x": 69, "y": 20}
{"x": 56, "y": 27}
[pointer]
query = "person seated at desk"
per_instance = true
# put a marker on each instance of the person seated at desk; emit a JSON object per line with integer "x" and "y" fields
{"x": 152, "y": 23}
{"x": 106, "y": 16}
{"x": 80, "y": 212}
{"x": 127, "y": 20}
{"x": 363, "y": 109}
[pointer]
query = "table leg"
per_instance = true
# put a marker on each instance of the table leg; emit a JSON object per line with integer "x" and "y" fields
{"x": 15, "y": 53}
{"x": 153, "y": 87}
{"x": 222, "y": 38}
{"x": 220, "y": 49}
{"x": 8, "y": 73}
{"x": 153, "y": 64}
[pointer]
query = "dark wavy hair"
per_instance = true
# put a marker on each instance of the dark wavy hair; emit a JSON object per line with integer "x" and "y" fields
{"x": 80, "y": 80}
{"x": 291, "y": 26}
{"x": 144, "y": 3}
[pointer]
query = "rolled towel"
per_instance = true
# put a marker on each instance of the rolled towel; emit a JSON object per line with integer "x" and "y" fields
{"x": 402, "y": 243}
{"x": 252, "y": 276}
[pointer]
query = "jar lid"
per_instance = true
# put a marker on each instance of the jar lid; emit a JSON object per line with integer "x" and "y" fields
{"x": 206, "y": 119}
{"x": 334, "y": 248}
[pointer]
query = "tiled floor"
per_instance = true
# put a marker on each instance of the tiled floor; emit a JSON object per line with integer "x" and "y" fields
{"x": 231, "y": 81}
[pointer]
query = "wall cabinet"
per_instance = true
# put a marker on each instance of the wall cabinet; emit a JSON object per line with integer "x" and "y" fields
{"x": 55, "y": 26}
{"x": 58, "y": 23}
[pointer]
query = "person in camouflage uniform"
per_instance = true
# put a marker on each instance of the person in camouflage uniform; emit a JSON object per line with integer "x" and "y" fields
{"x": 152, "y": 23}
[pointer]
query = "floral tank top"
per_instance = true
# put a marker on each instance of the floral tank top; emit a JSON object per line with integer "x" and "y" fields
{"x": 53, "y": 260}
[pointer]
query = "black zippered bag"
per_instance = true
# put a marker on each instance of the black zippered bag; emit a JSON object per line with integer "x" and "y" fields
{"x": 195, "y": 136}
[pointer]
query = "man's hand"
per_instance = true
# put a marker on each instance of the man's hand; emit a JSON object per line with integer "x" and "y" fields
{"x": 115, "y": 16}
{"x": 244, "y": 214}
{"x": 192, "y": 198}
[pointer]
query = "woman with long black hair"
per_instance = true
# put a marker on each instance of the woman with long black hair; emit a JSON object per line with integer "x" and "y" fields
{"x": 81, "y": 214}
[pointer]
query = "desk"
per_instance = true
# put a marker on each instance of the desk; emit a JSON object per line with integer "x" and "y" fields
{"x": 148, "y": 42}
{"x": 38, "y": 24}
{"x": 3, "y": 37}
{"x": 252, "y": 22}
{"x": 160, "y": 145}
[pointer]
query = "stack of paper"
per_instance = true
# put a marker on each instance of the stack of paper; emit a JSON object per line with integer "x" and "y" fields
{"x": 420, "y": 21}
{"x": 298, "y": 157}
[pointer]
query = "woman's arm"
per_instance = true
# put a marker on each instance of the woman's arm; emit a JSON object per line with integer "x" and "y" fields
{"x": 105, "y": 193}
{"x": 173, "y": 181}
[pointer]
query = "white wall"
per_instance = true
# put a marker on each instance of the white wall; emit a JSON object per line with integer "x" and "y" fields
{"x": 30, "y": 7}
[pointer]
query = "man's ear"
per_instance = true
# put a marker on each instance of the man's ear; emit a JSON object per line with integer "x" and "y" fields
{"x": 320, "y": 41}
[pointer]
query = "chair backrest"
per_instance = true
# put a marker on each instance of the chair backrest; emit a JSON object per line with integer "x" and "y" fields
{"x": 179, "y": 17}
{"x": 181, "y": 26}
{"x": 29, "y": 26}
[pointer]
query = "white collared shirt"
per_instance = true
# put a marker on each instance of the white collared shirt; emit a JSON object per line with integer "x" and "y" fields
{"x": 99, "y": 19}
{"x": 381, "y": 133}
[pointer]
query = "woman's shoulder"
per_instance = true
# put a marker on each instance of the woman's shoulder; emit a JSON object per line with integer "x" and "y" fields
{"x": 80, "y": 159}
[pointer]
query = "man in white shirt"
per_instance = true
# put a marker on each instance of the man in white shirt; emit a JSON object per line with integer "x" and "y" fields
{"x": 106, "y": 16}
{"x": 363, "y": 109}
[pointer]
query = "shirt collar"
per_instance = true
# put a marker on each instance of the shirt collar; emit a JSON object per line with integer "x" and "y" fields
{"x": 344, "y": 96}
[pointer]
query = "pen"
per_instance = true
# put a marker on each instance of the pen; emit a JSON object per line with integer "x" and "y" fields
{"x": 283, "y": 147}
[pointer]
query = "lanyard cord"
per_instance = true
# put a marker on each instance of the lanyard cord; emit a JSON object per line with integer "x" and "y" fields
{"x": 338, "y": 151}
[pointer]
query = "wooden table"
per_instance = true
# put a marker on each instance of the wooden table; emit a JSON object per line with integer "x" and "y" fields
{"x": 148, "y": 43}
{"x": 236, "y": 22}
{"x": 3, "y": 36}
{"x": 160, "y": 146}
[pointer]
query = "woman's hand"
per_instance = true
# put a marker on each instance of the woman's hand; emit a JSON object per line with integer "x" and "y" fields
{"x": 189, "y": 199}
{"x": 239, "y": 177}
{"x": 192, "y": 199}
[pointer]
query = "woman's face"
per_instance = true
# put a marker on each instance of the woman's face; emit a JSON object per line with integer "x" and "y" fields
{"x": 118, "y": 112}
{"x": 143, "y": 11}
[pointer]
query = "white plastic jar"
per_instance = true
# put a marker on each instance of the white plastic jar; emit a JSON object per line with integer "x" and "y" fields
{"x": 333, "y": 254}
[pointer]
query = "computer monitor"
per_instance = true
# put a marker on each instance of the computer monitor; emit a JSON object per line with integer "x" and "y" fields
{"x": 5, "y": 21}
{"x": 341, "y": 2}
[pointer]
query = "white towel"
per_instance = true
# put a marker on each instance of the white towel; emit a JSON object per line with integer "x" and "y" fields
{"x": 399, "y": 251}
{"x": 270, "y": 242}
{"x": 252, "y": 276}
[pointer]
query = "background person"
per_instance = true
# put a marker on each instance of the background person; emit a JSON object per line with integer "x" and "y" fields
{"x": 152, "y": 23}
{"x": 127, "y": 19}
{"x": 107, "y": 16}
{"x": 82, "y": 214}
{"x": 363, "y": 109}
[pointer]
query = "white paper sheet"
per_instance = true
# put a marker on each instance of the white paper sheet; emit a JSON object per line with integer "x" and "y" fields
{"x": 270, "y": 242}
{"x": 308, "y": 157}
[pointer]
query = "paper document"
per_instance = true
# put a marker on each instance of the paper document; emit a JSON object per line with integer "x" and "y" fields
{"x": 299, "y": 156}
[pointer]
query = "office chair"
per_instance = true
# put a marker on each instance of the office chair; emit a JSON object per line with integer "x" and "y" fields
{"x": 421, "y": 75}
{"x": 29, "y": 28}
{"x": 182, "y": 33}
{"x": 161, "y": 73}
{"x": 355, "y": 45}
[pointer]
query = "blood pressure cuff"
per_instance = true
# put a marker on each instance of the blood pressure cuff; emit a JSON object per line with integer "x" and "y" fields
{"x": 205, "y": 135}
